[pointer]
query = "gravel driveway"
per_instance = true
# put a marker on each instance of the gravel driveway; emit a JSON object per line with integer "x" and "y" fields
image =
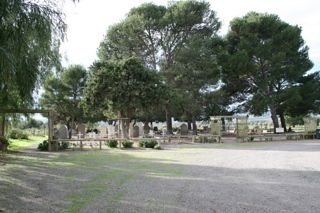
{"x": 248, "y": 177}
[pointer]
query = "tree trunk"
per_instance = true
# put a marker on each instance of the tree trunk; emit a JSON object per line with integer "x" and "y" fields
{"x": 189, "y": 124}
{"x": 169, "y": 121}
{"x": 274, "y": 117}
{"x": 119, "y": 123}
{"x": 127, "y": 122}
{"x": 283, "y": 121}
{"x": 194, "y": 125}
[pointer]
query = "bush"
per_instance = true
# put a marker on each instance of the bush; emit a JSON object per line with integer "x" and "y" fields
{"x": 148, "y": 143}
{"x": 44, "y": 146}
{"x": 25, "y": 136}
{"x": 63, "y": 145}
{"x": 127, "y": 144}
{"x": 157, "y": 146}
{"x": 18, "y": 134}
{"x": 4, "y": 140}
{"x": 111, "y": 143}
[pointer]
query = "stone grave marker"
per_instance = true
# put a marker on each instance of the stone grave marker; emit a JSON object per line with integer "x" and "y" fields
{"x": 140, "y": 125}
{"x": 63, "y": 132}
{"x": 130, "y": 130}
{"x": 135, "y": 132}
{"x": 184, "y": 129}
{"x": 82, "y": 130}
{"x": 103, "y": 131}
{"x": 111, "y": 131}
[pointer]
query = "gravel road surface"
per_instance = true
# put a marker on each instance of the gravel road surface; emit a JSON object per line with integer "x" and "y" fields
{"x": 249, "y": 177}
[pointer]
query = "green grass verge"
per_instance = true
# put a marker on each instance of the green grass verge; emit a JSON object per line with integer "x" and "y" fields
{"x": 22, "y": 143}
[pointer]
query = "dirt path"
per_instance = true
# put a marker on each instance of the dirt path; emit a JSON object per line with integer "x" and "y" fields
{"x": 249, "y": 177}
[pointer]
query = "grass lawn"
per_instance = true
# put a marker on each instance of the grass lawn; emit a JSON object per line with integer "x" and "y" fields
{"x": 22, "y": 143}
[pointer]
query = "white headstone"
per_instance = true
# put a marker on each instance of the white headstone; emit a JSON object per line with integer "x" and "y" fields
{"x": 280, "y": 130}
{"x": 140, "y": 125}
{"x": 82, "y": 130}
{"x": 131, "y": 130}
{"x": 111, "y": 131}
{"x": 103, "y": 131}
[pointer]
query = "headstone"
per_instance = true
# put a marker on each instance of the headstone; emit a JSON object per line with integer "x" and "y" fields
{"x": 111, "y": 131}
{"x": 151, "y": 133}
{"x": 63, "y": 132}
{"x": 279, "y": 130}
{"x": 146, "y": 129}
{"x": 130, "y": 130}
{"x": 140, "y": 125}
{"x": 82, "y": 130}
{"x": 135, "y": 132}
{"x": 259, "y": 131}
{"x": 103, "y": 131}
{"x": 184, "y": 129}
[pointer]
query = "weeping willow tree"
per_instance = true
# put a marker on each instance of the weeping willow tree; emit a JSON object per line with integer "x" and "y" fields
{"x": 30, "y": 35}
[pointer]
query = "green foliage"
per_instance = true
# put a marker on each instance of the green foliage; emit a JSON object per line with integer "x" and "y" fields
{"x": 146, "y": 136}
{"x": 127, "y": 144}
{"x": 18, "y": 134}
{"x": 4, "y": 140}
{"x": 125, "y": 86}
{"x": 112, "y": 143}
{"x": 63, "y": 145}
{"x": 209, "y": 139}
{"x": 148, "y": 143}
{"x": 63, "y": 92}
{"x": 265, "y": 57}
{"x": 32, "y": 123}
{"x": 157, "y": 35}
{"x": 44, "y": 146}
{"x": 30, "y": 35}
{"x": 157, "y": 146}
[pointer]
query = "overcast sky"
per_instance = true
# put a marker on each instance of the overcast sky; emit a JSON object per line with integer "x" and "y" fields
{"x": 89, "y": 20}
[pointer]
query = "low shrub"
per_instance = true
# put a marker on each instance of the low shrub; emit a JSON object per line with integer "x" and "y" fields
{"x": 63, "y": 145}
{"x": 157, "y": 146}
{"x": 127, "y": 144}
{"x": 146, "y": 136}
{"x": 44, "y": 146}
{"x": 18, "y": 134}
{"x": 148, "y": 143}
{"x": 111, "y": 143}
{"x": 25, "y": 136}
